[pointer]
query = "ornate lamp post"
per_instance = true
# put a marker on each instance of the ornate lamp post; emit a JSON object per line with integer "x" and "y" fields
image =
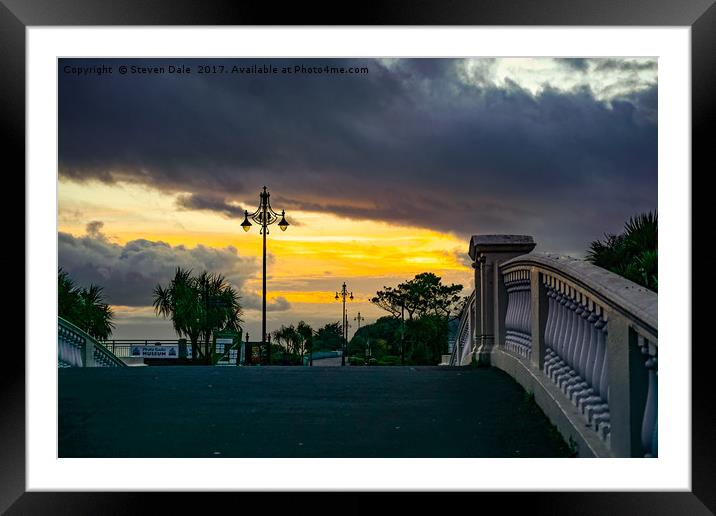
{"x": 264, "y": 216}
{"x": 344, "y": 294}
{"x": 359, "y": 319}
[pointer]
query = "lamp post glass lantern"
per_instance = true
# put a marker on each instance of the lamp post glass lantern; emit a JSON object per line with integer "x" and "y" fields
{"x": 343, "y": 294}
{"x": 264, "y": 216}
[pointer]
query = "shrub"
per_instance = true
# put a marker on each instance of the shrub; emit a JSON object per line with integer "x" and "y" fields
{"x": 389, "y": 360}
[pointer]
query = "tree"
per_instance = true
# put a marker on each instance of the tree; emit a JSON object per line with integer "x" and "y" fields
{"x": 84, "y": 307}
{"x": 429, "y": 305}
{"x": 305, "y": 332}
{"x": 383, "y": 336}
{"x": 427, "y": 339}
{"x": 284, "y": 338}
{"x": 198, "y": 307}
{"x": 68, "y": 298}
{"x": 632, "y": 254}
{"x": 294, "y": 339}
{"x": 423, "y": 295}
{"x": 328, "y": 338}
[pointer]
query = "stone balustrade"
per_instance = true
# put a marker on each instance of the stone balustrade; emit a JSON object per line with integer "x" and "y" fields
{"x": 518, "y": 315}
{"x": 77, "y": 349}
{"x": 582, "y": 339}
{"x": 464, "y": 343}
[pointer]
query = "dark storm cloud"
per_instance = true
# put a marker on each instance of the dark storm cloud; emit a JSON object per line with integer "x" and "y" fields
{"x": 408, "y": 143}
{"x": 608, "y": 65}
{"x": 209, "y": 203}
{"x": 130, "y": 272}
{"x": 578, "y": 64}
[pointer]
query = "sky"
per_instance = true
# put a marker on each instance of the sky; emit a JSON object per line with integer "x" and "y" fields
{"x": 384, "y": 173}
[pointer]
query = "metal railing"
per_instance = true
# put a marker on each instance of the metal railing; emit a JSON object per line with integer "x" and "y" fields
{"x": 123, "y": 347}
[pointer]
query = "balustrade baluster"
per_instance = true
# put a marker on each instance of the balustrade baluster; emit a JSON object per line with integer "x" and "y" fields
{"x": 601, "y": 405}
{"x": 508, "y": 311}
{"x": 571, "y": 375}
{"x": 551, "y": 325}
{"x": 590, "y": 361}
{"x": 558, "y": 301}
{"x": 526, "y": 314}
{"x": 566, "y": 368}
{"x": 584, "y": 341}
{"x": 580, "y": 384}
{"x": 572, "y": 333}
{"x": 515, "y": 301}
{"x": 519, "y": 308}
{"x": 561, "y": 331}
{"x": 599, "y": 363}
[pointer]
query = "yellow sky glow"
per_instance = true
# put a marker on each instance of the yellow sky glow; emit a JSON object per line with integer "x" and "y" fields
{"x": 316, "y": 247}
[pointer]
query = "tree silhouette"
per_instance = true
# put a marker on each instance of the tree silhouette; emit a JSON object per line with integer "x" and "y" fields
{"x": 328, "y": 337}
{"x": 429, "y": 305}
{"x": 84, "y": 307}
{"x": 198, "y": 307}
{"x": 423, "y": 295}
{"x": 295, "y": 339}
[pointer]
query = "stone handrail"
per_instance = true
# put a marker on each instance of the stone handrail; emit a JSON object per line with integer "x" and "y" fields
{"x": 75, "y": 348}
{"x": 463, "y": 349}
{"x": 582, "y": 339}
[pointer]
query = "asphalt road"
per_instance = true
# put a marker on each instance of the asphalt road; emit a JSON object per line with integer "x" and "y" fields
{"x": 199, "y": 411}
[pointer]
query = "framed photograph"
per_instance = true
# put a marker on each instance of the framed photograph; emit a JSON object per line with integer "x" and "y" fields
{"x": 413, "y": 253}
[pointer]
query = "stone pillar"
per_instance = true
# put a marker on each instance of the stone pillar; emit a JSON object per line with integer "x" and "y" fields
{"x": 88, "y": 354}
{"x": 627, "y": 386}
{"x": 487, "y": 253}
{"x": 539, "y": 305}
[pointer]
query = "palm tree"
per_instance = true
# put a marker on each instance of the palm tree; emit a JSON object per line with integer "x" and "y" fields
{"x": 84, "y": 307}
{"x": 199, "y": 306}
{"x": 219, "y": 303}
{"x": 96, "y": 314}
{"x": 284, "y": 338}
{"x": 632, "y": 254}
{"x": 294, "y": 339}
{"x": 305, "y": 331}
{"x": 178, "y": 301}
{"x": 68, "y": 297}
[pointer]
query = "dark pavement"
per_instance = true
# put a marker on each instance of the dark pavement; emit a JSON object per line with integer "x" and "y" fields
{"x": 198, "y": 411}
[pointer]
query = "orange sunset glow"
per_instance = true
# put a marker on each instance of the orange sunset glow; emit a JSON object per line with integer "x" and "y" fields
{"x": 306, "y": 264}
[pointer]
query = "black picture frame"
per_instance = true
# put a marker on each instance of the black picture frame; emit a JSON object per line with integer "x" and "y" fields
{"x": 17, "y": 15}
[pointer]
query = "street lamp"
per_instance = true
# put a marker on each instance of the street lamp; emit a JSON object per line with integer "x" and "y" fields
{"x": 264, "y": 216}
{"x": 359, "y": 319}
{"x": 344, "y": 294}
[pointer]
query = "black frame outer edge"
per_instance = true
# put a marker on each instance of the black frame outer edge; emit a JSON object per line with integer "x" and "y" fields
{"x": 15, "y": 15}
